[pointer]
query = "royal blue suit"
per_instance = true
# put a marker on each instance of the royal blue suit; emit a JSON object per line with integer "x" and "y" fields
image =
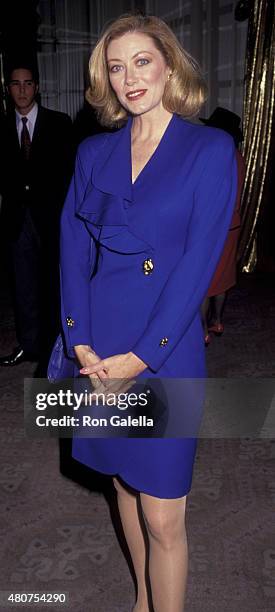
{"x": 176, "y": 216}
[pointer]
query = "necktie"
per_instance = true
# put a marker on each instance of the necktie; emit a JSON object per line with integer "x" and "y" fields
{"x": 25, "y": 139}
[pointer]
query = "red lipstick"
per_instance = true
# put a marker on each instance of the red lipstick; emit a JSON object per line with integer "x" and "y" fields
{"x": 136, "y": 94}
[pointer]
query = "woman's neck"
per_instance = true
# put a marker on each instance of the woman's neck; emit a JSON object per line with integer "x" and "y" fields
{"x": 150, "y": 125}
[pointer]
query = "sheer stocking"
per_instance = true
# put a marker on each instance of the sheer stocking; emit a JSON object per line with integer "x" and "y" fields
{"x": 135, "y": 534}
{"x": 168, "y": 556}
{"x": 159, "y": 523}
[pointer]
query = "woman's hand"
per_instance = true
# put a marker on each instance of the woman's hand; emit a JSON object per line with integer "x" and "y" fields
{"x": 123, "y": 367}
{"x": 88, "y": 358}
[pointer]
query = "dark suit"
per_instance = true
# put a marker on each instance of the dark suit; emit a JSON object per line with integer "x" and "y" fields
{"x": 33, "y": 194}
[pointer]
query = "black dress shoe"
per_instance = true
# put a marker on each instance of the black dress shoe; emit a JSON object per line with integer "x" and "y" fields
{"x": 17, "y": 356}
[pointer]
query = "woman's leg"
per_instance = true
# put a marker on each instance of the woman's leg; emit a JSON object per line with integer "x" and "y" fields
{"x": 204, "y": 317}
{"x": 219, "y": 301}
{"x": 204, "y": 314}
{"x": 131, "y": 518}
{"x": 168, "y": 556}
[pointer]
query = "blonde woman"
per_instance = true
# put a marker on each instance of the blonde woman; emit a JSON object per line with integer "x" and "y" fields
{"x": 156, "y": 197}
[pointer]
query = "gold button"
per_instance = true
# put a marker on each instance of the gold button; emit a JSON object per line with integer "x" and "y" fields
{"x": 70, "y": 322}
{"x": 148, "y": 266}
{"x": 163, "y": 341}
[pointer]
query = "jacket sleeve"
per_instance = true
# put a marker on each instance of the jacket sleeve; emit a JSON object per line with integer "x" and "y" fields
{"x": 75, "y": 260}
{"x": 186, "y": 287}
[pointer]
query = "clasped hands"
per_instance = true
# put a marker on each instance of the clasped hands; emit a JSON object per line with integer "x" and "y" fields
{"x": 115, "y": 374}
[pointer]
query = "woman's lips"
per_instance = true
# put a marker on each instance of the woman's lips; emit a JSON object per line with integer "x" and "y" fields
{"x": 135, "y": 95}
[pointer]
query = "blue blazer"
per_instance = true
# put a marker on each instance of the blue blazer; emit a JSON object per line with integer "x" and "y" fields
{"x": 137, "y": 259}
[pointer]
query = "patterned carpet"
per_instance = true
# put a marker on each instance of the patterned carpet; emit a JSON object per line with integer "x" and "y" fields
{"x": 57, "y": 535}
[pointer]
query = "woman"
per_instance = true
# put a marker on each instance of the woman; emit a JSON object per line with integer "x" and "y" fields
{"x": 225, "y": 274}
{"x": 156, "y": 197}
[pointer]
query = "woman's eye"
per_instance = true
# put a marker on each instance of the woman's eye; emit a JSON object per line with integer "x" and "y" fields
{"x": 115, "y": 68}
{"x": 143, "y": 61}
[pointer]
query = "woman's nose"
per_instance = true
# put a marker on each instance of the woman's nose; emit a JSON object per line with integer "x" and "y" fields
{"x": 130, "y": 76}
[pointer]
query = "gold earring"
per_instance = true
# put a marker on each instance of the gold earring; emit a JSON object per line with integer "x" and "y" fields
{"x": 169, "y": 75}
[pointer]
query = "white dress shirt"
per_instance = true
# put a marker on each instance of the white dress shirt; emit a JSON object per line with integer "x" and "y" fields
{"x": 31, "y": 116}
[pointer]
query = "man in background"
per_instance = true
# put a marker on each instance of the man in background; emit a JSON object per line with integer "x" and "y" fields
{"x": 36, "y": 163}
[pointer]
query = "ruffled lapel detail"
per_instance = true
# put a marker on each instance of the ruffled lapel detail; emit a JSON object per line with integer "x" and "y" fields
{"x": 108, "y": 195}
{"x": 107, "y": 203}
{"x": 113, "y": 168}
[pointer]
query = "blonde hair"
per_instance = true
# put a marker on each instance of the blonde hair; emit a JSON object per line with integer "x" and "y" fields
{"x": 185, "y": 91}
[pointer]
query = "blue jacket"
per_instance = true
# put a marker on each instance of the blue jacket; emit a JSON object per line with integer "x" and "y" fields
{"x": 137, "y": 260}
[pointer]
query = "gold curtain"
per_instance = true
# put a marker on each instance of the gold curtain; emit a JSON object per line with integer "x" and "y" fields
{"x": 257, "y": 126}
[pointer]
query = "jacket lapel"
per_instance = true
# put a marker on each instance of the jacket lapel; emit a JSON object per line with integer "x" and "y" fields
{"x": 109, "y": 193}
{"x": 112, "y": 172}
{"x": 37, "y": 129}
{"x": 13, "y": 133}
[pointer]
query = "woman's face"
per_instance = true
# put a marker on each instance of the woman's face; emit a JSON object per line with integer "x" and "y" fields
{"x": 137, "y": 71}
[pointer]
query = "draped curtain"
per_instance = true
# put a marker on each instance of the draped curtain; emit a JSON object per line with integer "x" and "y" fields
{"x": 258, "y": 114}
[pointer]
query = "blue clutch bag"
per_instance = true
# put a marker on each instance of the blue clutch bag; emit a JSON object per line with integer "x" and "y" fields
{"x": 60, "y": 366}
